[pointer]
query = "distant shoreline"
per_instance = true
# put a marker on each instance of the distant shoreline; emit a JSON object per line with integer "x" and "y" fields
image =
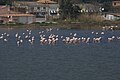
{"x": 65, "y": 25}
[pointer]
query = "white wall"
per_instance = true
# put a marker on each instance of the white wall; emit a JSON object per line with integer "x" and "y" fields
{"x": 40, "y": 19}
{"x": 110, "y": 17}
{"x": 30, "y": 20}
{"x": 22, "y": 20}
{"x": 26, "y": 20}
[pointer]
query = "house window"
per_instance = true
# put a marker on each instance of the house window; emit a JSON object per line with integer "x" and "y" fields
{"x": 35, "y": 8}
{"x": 53, "y": 12}
{"x": 38, "y": 7}
{"x": 115, "y": 3}
{"x": 44, "y": 7}
{"x": 39, "y": 15}
{"x": 43, "y": 13}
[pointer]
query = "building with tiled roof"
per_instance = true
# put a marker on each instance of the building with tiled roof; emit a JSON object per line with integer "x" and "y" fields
{"x": 6, "y": 16}
{"x": 42, "y": 9}
{"x": 116, "y": 3}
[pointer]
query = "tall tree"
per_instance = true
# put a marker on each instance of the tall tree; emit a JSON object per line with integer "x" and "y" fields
{"x": 6, "y": 2}
{"x": 69, "y": 10}
{"x": 75, "y": 11}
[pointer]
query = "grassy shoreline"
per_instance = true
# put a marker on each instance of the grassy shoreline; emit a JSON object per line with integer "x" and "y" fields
{"x": 64, "y": 25}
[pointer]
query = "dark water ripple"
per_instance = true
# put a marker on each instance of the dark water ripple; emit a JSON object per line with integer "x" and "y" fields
{"x": 60, "y": 62}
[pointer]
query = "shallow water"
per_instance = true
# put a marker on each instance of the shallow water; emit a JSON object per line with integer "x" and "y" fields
{"x": 93, "y": 61}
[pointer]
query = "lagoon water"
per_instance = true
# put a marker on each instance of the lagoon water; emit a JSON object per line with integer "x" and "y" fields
{"x": 93, "y": 61}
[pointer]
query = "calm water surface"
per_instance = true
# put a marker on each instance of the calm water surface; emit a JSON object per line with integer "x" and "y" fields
{"x": 93, "y": 61}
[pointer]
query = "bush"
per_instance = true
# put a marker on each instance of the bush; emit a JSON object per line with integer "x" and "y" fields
{"x": 43, "y": 23}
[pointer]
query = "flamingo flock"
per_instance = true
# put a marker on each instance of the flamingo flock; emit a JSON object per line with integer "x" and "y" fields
{"x": 52, "y": 38}
{"x": 110, "y": 27}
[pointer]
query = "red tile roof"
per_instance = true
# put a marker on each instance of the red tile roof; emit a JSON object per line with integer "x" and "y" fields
{"x": 17, "y": 15}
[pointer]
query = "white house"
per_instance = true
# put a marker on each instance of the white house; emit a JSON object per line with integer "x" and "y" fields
{"x": 112, "y": 16}
{"x": 42, "y": 9}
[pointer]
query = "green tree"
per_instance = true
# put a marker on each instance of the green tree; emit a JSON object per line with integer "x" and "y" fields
{"x": 6, "y": 2}
{"x": 69, "y": 10}
{"x": 107, "y": 6}
{"x": 75, "y": 11}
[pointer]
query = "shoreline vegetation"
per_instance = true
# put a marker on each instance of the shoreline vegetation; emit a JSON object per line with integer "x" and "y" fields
{"x": 65, "y": 24}
{"x": 72, "y": 16}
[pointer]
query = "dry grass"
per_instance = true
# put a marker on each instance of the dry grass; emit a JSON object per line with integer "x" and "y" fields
{"x": 91, "y": 18}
